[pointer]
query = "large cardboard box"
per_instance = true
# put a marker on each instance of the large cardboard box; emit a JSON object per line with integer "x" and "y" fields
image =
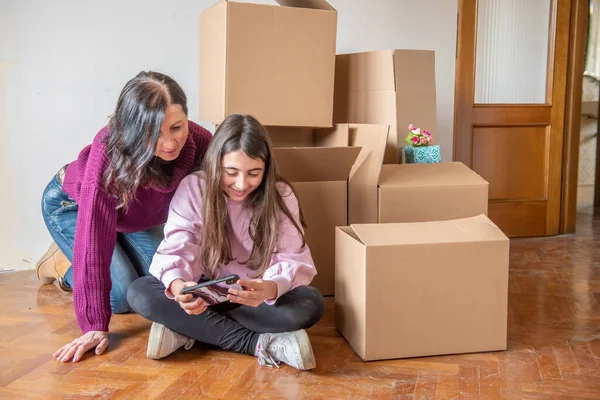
{"x": 274, "y": 62}
{"x": 318, "y": 163}
{"x": 409, "y": 192}
{"x": 393, "y": 87}
{"x": 419, "y": 289}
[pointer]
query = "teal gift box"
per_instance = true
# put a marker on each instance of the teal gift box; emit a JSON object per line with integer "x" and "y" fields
{"x": 422, "y": 155}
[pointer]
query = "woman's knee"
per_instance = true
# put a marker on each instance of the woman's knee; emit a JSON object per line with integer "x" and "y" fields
{"x": 119, "y": 305}
{"x": 118, "y": 298}
{"x": 54, "y": 198}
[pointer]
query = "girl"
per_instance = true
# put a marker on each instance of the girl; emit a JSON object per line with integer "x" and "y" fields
{"x": 236, "y": 216}
{"x": 105, "y": 210}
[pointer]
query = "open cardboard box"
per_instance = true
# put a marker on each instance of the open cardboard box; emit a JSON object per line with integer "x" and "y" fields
{"x": 274, "y": 62}
{"x": 319, "y": 163}
{"x": 393, "y": 87}
{"x": 419, "y": 289}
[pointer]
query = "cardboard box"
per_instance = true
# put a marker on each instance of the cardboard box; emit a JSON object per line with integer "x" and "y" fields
{"x": 318, "y": 163}
{"x": 409, "y": 192}
{"x": 430, "y": 192}
{"x": 394, "y": 87}
{"x": 419, "y": 289}
{"x": 274, "y": 62}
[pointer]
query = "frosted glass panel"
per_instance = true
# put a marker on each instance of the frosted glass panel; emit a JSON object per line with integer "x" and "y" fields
{"x": 512, "y": 51}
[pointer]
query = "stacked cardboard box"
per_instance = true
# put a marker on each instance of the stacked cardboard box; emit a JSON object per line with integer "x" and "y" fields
{"x": 248, "y": 65}
{"x": 392, "y": 87}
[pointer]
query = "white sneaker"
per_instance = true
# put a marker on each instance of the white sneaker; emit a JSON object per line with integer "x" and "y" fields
{"x": 163, "y": 341}
{"x": 291, "y": 348}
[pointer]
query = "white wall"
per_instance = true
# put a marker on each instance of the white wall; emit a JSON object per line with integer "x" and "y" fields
{"x": 64, "y": 63}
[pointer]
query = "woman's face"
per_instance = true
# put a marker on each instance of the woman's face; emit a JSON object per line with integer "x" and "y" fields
{"x": 173, "y": 133}
{"x": 241, "y": 174}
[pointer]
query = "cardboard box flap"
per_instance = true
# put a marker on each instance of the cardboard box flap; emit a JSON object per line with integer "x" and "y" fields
{"x": 364, "y": 176}
{"x": 312, "y": 4}
{"x": 337, "y": 136}
{"x": 285, "y": 136}
{"x": 480, "y": 227}
{"x": 313, "y": 164}
{"x": 475, "y": 229}
{"x": 372, "y": 139}
{"x": 434, "y": 174}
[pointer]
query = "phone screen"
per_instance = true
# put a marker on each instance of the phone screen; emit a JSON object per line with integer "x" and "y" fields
{"x": 213, "y": 294}
{"x": 213, "y": 291}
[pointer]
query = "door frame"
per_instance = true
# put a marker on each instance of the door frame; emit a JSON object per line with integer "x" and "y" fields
{"x": 578, "y": 31}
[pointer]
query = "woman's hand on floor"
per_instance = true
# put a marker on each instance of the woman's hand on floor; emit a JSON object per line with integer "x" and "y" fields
{"x": 191, "y": 305}
{"x": 255, "y": 292}
{"x": 76, "y": 349}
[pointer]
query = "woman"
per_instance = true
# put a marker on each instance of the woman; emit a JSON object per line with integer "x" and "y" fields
{"x": 105, "y": 211}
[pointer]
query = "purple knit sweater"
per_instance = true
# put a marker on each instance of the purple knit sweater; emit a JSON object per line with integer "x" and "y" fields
{"x": 98, "y": 220}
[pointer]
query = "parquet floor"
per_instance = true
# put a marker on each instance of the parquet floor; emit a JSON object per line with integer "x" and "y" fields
{"x": 554, "y": 346}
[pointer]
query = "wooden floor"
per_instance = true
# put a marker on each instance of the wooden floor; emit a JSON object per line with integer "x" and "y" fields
{"x": 554, "y": 346}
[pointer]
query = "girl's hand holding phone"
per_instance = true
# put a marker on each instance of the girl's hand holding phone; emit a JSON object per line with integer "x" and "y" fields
{"x": 255, "y": 292}
{"x": 191, "y": 305}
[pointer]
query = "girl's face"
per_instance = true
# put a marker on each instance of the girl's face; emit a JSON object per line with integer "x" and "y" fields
{"x": 240, "y": 175}
{"x": 173, "y": 133}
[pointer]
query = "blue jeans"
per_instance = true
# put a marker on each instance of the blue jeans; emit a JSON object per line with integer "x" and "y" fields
{"x": 133, "y": 251}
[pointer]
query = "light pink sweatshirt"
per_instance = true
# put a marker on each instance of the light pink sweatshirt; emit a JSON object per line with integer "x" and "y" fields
{"x": 179, "y": 254}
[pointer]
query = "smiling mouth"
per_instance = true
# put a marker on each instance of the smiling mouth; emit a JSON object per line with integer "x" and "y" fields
{"x": 238, "y": 193}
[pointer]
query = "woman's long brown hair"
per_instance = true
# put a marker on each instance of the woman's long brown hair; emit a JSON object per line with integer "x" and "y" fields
{"x": 245, "y": 133}
{"x": 134, "y": 131}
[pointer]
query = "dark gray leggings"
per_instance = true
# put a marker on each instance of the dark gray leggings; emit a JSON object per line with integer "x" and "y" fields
{"x": 236, "y": 329}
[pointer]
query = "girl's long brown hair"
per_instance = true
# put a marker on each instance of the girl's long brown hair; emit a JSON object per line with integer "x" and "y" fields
{"x": 134, "y": 131}
{"x": 245, "y": 133}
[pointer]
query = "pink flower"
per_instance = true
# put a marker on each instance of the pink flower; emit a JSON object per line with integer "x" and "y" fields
{"x": 411, "y": 127}
{"x": 426, "y": 133}
{"x": 417, "y": 131}
{"x": 415, "y": 140}
{"x": 429, "y": 139}
{"x": 423, "y": 140}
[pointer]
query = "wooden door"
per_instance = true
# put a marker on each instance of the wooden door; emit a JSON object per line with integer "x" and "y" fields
{"x": 509, "y": 107}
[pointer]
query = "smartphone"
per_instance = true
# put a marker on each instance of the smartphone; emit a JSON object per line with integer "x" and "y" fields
{"x": 212, "y": 292}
